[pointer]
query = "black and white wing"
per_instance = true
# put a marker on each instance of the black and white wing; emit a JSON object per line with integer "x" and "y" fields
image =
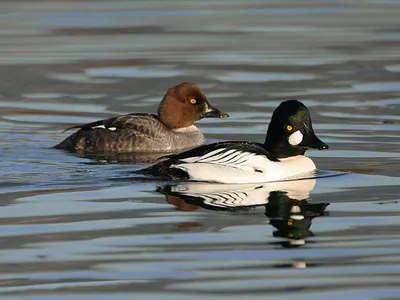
{"x": 226, "y": 162}
{"x": 227, "y": 153}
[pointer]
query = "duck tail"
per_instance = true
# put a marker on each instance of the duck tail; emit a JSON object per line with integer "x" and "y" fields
{"x": 159, "y": 169}
{"x": 75, "y": 141}
{"x": 163, "y": 169}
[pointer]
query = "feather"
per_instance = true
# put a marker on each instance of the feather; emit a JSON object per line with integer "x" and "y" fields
{"x": 129, "y": 121}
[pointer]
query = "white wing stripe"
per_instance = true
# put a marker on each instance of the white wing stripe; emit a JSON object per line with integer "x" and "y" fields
{"x": 240, "y": 158}
{"x": 218, "y": 158}
{"x": 231, "y": 157}
{"x": 212, "y": 153}
{"x": 197, "y": 158}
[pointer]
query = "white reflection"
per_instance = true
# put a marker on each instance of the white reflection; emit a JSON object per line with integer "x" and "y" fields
{"x": 233, "y": 195}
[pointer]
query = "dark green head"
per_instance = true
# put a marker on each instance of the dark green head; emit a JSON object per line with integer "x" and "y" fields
{"x": 290, "y": 131}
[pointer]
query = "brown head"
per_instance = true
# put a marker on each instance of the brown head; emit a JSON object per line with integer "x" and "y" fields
{"x": 185, "y": 103}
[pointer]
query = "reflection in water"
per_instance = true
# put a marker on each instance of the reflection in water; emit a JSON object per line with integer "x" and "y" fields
{"x": 292, "y": 217}
{"x": 285, "y": 203}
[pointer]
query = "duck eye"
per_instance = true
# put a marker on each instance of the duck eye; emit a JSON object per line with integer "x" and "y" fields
{"x": 193, "y": 101}
{"x": 289, "y": 128}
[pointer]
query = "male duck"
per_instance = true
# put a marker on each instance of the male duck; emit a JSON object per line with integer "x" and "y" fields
{"x": 171, "y": 130}
{"x": 281, "y": 157}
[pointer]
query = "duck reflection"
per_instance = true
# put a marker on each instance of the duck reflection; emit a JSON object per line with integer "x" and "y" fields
{"x": 292, "y": 217}
{"x": 285, "y": 203}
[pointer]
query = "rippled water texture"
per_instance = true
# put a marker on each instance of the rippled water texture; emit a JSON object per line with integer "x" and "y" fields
{"x": 74, "y": 227}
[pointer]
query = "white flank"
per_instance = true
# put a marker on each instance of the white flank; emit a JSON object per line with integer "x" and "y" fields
{"x": 190, "y": 128}
{"x": 241, "y": 171}
{"x": 245, "y": 168}
{"x": 295, "y": 138}
{"x": 100, "y": 126}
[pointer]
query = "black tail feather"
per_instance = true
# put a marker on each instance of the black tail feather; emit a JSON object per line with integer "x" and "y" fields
{"x": 164, "y": 169}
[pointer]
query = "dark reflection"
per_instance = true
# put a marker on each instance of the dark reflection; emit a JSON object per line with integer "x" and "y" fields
{"x": 285, "y": 203}
{"x": 292, "y": 217}
{"x": 121, "y": 158}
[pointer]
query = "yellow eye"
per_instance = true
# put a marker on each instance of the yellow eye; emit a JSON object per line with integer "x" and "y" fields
{"x": 289, "y": 128}
{"x": 193, "y": 101}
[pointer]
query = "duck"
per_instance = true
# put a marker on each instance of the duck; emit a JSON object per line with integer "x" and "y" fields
{"x": 281, "y": 157}
{"x": 172, "y": 129}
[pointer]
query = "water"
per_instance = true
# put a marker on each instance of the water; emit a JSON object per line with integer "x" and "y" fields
{"x": 75, "y": 227}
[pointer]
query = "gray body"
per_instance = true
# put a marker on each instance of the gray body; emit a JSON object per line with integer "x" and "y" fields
{"x": 132, "y": 133}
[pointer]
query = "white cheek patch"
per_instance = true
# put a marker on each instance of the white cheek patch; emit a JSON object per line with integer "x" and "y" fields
{"x": 295, "y": 138}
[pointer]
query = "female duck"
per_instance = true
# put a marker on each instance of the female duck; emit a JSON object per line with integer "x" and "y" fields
{"x": 281, "y": 157}
{"x": 171, "y": 130}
